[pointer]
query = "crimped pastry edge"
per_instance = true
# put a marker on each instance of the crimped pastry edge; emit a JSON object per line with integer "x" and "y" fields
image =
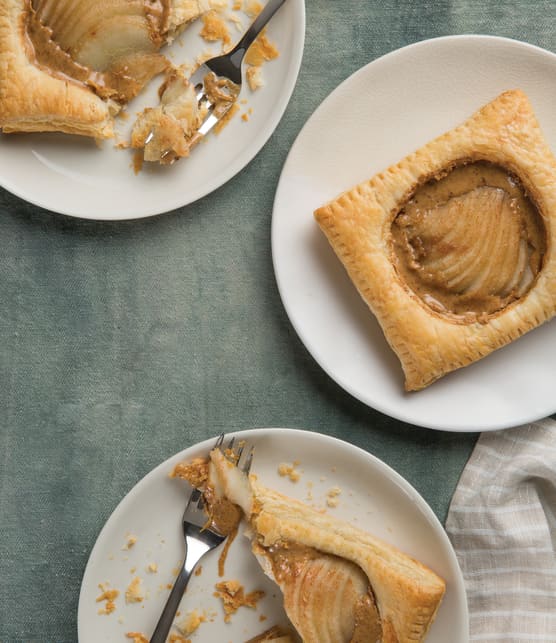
{"x": 357, "y": 225}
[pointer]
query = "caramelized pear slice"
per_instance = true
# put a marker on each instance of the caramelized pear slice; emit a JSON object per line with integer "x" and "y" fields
{"x": 340, "y": 584}
{"x": 483, "y": 251}
{"x": 469, "y": 243}
{"x": 305, "y": 577}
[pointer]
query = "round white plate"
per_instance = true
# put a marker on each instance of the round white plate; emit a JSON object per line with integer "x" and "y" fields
{"x": 72, "y": 176}
{"x": 373, "y": 119}
{"x": 373, "y": 496}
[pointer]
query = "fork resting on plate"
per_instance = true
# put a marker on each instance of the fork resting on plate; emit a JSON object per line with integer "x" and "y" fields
{"x": 200, "y": 537}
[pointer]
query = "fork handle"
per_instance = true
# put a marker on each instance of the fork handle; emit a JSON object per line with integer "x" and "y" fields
{"x": 168, "y": 613}
{"x": 192, "y": 557}
{"x": 260, "y": 21}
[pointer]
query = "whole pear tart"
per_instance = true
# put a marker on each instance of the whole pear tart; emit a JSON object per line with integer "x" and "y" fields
{"x": 339, "y": 583}
{"x": 70, "y": 65}
{"x": 452, "y": 248}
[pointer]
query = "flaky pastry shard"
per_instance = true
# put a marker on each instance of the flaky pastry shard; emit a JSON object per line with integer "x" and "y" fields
{"x": 430, "y": 337}
{"x": 339, "y": 583}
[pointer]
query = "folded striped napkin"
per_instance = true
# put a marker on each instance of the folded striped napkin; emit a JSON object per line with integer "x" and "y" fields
{"x": 502, "y": 523}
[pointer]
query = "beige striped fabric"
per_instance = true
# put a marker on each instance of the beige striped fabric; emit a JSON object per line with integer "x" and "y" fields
{"x": 502, "y": 523}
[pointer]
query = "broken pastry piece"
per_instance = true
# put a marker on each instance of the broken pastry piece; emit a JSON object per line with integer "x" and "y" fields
{"x": 452, "y": 248}
{"x": 70, "y": 65}
{"x": 170, "y": 131}
{"x": 339, "y": 583}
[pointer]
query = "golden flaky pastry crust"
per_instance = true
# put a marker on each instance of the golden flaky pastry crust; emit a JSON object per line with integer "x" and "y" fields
{"x": 408, "y": 594}
{"x": 358, "y": 226}
{"x": 32, "y": 100}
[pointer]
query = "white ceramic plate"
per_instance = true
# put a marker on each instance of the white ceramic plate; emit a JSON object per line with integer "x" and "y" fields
{"x": 373, "y": 119}
{"x": 70, "y": 175}
{"x": 373, "y": 497}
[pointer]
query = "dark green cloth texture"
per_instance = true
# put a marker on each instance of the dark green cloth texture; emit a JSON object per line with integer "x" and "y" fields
{"x": 123, "y": 343}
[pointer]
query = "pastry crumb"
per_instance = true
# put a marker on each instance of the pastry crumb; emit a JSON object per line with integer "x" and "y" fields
{"x": 177, "y": 638}
{"x": 261, "y": 51}
{"x": 191, "y": 622}
{"x": 332, "y": 499}
{"x": 130, "y": 542}
{"x": 254, "y": 77}
{"x": 134, "y": 592}
{"x": 109, "y": 596}
{"x": 233, "y": 597}
{"x": 137, "y": 637}
{"x": 194, "y": 472}
{"x": 290, "y": 471}
{"x": 252, "y": 8}
{"x": 214, "y": 28}
{"x": 152, "y": 568}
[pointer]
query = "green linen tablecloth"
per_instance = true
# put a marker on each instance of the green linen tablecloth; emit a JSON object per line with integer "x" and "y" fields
{"x": 123, "y": 343}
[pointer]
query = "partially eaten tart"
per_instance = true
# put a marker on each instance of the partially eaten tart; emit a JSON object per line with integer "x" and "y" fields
{"x": 71, "y": 65}
{"x": 339, "y": 583}
{"x": 452, "y": 248}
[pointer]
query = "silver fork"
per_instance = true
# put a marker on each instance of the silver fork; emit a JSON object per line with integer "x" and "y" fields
{"x": 218, "y": 80}
{"x": 199, "y": 539}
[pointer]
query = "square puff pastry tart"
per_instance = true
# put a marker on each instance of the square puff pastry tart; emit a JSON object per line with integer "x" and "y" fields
{"x": 453, "y": 275}
{"x": 339, "y": 582}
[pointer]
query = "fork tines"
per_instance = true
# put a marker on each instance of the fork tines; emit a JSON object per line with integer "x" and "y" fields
{"x": 235, "y": 455}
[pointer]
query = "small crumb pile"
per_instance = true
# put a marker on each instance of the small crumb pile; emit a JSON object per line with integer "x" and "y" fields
{"x": 108, "y": 595}
{"x": 194, "y": 472}
{"x": 131, "y": 540}
{"x": 214, "y": 28}
{"x": 191, "y": 622}
{"x": 134, "y": 592}
{"x": 233, "y": 597}
{"x": 332, "y": 499}
{"x": 137, "y": 637}
{"x": 290, "y": 470}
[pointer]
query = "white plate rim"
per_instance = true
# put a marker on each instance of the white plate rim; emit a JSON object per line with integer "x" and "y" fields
{"x": 386, "y": 409}
{"x": 240, "y": 162}
{"x": 204, "y": 446}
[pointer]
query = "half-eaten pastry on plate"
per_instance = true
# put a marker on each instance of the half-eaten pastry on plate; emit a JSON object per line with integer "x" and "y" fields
{"x": 452, "y": 248}
{"x": 71, "y": 65}
{"x": 339, "y": 583}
